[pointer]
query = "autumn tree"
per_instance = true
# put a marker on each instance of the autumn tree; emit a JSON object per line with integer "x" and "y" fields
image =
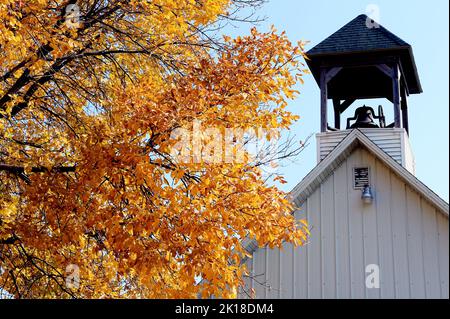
{"x": 91, "y": 94}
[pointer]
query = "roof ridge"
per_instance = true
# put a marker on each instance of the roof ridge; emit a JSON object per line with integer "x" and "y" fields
{"x": 357, "y": 36}
{"x": 393, "y": 36}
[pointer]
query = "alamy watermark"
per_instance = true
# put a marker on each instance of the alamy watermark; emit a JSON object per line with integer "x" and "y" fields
{"x": 373, "y": 16}
{"x": 373, "y": 276}
{"x": 72, "y": 16}
{"x": 72, "y": 276}
{"x": 212, "y": 145}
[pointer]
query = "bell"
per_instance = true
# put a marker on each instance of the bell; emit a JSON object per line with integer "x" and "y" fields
{"x": 364, "y": 118}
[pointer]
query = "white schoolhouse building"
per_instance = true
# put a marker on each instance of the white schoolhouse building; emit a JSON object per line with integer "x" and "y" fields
{"x": 376, "y": 230}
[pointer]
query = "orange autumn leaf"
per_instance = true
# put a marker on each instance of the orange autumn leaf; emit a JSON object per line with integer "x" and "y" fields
{"x": 93, "y": 202}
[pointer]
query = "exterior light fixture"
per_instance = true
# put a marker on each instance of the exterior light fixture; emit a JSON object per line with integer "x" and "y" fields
{"x": 367, "y": 195}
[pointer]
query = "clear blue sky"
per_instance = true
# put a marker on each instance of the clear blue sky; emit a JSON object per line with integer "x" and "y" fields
{"x": 424, "y": 25}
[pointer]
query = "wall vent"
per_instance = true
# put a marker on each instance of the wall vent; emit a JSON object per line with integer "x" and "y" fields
{"x": 361, "y": 177}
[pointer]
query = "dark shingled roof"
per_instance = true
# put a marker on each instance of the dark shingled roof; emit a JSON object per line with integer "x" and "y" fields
{"x": 355, "y": 36}
{"x": 358, "y": 44}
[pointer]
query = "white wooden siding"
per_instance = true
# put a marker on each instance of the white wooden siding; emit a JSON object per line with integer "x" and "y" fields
{"x": 393, "y": 141}
{"x": 401, "y": 232}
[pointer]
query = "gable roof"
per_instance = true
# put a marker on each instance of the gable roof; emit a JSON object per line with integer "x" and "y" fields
{"x": 342, "y": 151}
{"x": 334, "y": 159}
{"x": 355, "y": 36}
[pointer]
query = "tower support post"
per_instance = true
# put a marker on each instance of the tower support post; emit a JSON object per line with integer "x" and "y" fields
{"x": 396, "y": 95}
{"x": 323, "y": 100}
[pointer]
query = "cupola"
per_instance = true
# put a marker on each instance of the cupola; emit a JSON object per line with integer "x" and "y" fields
{"x": 361, "y": 61}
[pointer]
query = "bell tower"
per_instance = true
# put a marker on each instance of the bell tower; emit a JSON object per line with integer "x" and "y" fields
{"x": 363, "y": 60}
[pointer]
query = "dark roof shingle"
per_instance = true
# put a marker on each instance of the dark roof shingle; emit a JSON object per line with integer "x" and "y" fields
{"x": 356, "y": 36}
{"x": 360, "y": 42}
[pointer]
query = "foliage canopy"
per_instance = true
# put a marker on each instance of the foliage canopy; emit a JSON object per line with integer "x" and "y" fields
{"x": 88, "y": 104}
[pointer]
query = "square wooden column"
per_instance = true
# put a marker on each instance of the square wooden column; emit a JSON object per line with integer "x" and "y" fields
{"x": 396, "y": 95}
{"x": 337, "y": 113}
{"x": 404, "y": 107}
{"x": 326, "y": 75}
{"x": 323, "y": 100}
